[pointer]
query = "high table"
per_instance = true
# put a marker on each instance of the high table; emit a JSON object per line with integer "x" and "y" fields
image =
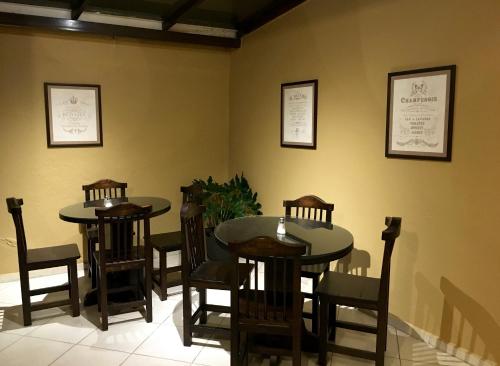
{"x": 84, "y": 213}
{"x": 325, "y": 242}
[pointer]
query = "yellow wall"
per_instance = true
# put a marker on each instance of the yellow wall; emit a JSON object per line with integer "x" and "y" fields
{"x": 446, "y": 264}
{"x": 165, "y": 111}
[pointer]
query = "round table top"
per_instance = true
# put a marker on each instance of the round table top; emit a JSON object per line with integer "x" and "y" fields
{"x": 84, "y": 212}
{"x": 325, "y": 242}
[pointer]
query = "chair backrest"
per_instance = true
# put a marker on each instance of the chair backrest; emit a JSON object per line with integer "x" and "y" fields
{"x": 310, "y": 207}
{"x": 104, "y": 188}
{"x": 14, "y": 207}
{"x": 193, "y": 237}
{"x": 389, "y": 236}
{"x": 279, "y": 291}
{"x": 192, "y": 193}
{"x": 124, "y": 222}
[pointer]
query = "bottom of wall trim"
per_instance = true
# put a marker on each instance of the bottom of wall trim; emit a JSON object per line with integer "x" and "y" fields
{"x": 14, "y": 276}
{"x": 448, "y": 347}
{"x": 433, "y": 340}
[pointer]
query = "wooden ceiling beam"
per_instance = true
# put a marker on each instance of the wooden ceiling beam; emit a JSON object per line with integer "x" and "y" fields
{"x": 77, "y": 8}
{"x": 59, "y": 24}
{"x": 178, "y": 9}
{"x": 265, "y": 15}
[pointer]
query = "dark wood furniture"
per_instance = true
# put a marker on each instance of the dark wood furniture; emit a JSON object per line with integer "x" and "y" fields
{"x": 164, "y": 276}
{"x": 311, "y": 208}
{"x": 324, "y": 243}
{"x": 200, "y": 273}
{"x": 362, "y": 292}
{"x": 104, "y": 188}
{"x": 84, "y": 212}
{"x": 272, "y": 307}
{"x": 40, "y": 258}
{"x": 120, "y": 252}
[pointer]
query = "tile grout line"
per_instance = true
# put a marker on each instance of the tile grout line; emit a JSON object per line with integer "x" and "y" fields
{"x": 145, "y": 339}
{"x": 62, "y": 354}
{"x": 20, "y": 337}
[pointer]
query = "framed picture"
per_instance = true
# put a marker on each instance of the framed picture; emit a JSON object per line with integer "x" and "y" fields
{"x": 73, "y": 113}
{"x": 420, "y": 113}
{"x": 299, "y": 104}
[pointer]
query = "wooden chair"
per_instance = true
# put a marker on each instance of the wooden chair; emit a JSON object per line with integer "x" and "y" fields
{"x": 272, "y": 308}
{"x": 123, "y": 253}
{"x": 363, "y": 292}
{"x": 104, "y": 188}
{"x": 165, "y": 277}
{"x": 39, "y": 258}
{"x": 312, "y": 208}
{"x": 200, "y": 273}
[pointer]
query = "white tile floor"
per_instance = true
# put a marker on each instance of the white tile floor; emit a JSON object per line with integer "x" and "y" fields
{"x": 55, "y": 338}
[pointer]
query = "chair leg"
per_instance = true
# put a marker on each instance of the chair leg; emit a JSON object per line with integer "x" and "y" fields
{"x": 333, "y": 320}
{"x": 235, "y": 343}
{"x": 104, "y": 300}
{"x": 381, "y": 337}
{"x": 93, "y": 265}
{"x": 296, "y": 345}
{"x": 73, "y": 289}
{"x": 315, "y": 305}
{"x": 148, "y": 289}
{"x": 163, "y": 275}
{"x": 186, "y": 316}
{"x": 324, "y": 308}
{"x": 98, "y": 290}
{"x": 25, "y": 295}
{"x": 203, "y": 304}
{"x": 89, "y": 259}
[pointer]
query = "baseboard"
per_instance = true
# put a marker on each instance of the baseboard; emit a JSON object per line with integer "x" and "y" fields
{"x": 448, "y": 347}
{"x": 434, "y": 341}
{"x": 14, "y": 276}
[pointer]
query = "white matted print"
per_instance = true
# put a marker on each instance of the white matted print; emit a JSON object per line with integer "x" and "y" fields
{"x": 420, "y": 113}
{"x": 73, "y": 115}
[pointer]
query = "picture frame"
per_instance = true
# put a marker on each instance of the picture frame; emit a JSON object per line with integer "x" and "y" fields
{"x": 299, "y": 105}
{"x": 420, "y": 106}
{"x": 73, "y": 115}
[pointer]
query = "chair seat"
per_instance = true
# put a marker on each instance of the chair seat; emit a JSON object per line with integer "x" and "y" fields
{"x": 219, "y": 273}
{"x": 53, "y": 254}
{"x": 167, "y": 242}
{"x": 343, "y": 287}
{"x": 309, "y": 270}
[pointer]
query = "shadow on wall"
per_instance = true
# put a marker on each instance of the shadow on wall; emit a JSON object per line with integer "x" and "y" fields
{"x": 356, "y": 263}
{"x": 427, "y": 304}
{"x": 467, "y": 324}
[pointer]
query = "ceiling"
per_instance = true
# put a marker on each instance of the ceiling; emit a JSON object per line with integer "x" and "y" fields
{"x": 220, "y": 23}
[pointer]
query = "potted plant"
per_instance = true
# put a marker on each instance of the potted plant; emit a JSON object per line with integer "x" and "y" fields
{"x": 224, "y": 202}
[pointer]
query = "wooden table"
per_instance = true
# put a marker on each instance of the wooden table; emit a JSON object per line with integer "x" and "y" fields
{"x": 84, "y": 213}
{"x": 325, "y": 243}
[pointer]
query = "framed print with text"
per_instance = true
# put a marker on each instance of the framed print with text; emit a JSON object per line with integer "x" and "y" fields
{"x": 299, "y": 104}
{"x": 420, "y": 113}
{"x": 73, "y": 114}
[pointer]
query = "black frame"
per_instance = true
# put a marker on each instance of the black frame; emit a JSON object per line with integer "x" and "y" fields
{"x": 450, "y": 71}
{"x": 315, "y": 114}
{"x": 51, "y": 144}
